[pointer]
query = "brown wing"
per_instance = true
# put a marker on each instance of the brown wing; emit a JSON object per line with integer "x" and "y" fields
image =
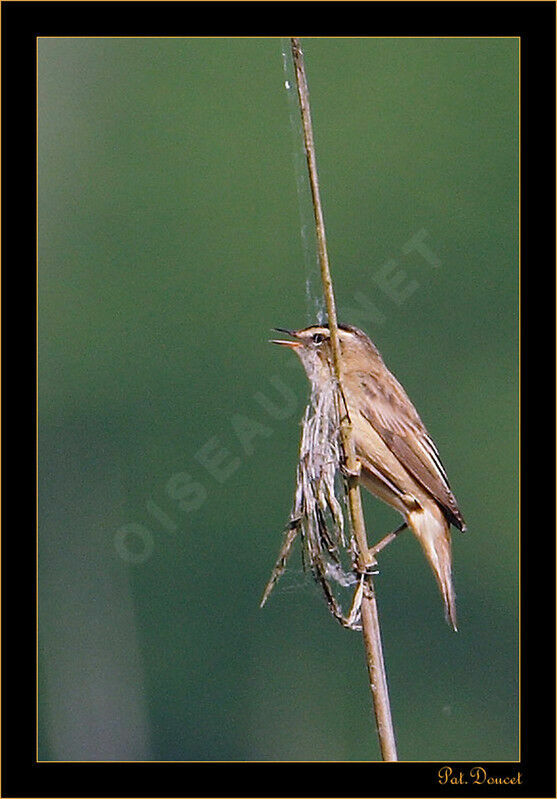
{"x": 387, "y": 408}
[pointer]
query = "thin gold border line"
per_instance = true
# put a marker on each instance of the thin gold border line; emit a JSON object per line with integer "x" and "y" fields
{"x": 519, "y": 405}
{"x": 37, "y": 38}
{"x": 37, "y": 396}
{"x": 218, "y": 38}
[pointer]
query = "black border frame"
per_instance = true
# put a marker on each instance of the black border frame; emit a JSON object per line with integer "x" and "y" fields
{"x": 22, "y": 22}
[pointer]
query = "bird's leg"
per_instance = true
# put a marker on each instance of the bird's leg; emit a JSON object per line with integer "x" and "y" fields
{"x": 387, "y": 539}
{"x": 351, "y": 474}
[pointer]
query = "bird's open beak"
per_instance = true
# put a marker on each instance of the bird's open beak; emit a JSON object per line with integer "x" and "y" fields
{"x": 291, "y": 344}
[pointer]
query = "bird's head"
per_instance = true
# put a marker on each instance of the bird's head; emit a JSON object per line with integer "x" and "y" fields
{"x": 313, "y": 347}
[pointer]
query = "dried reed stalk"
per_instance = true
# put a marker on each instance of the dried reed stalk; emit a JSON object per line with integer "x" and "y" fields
{"x": 364, "y": 559}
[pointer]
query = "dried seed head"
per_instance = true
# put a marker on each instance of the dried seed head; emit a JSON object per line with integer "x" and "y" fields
{"x": 319, "y": 500}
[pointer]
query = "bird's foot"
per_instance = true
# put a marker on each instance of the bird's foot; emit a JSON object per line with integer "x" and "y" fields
{"x": 351, "y": 474}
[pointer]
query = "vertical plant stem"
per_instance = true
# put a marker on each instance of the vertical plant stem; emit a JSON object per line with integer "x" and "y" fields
{"x": 370, "y": 617}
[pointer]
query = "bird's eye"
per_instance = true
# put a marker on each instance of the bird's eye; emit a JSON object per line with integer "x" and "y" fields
{"x": 317, "y": 338}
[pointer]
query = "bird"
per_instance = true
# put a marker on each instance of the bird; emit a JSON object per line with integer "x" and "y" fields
{"x": 398, "y": 460}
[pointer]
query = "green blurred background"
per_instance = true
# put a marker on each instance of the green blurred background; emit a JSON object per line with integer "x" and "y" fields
{"x": 169, "y": 246}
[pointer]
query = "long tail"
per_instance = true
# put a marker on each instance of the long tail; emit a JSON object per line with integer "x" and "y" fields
{"x": 432, "y": 531}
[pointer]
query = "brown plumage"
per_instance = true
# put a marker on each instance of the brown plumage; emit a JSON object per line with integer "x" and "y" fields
{"x": 399, "y": 461}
